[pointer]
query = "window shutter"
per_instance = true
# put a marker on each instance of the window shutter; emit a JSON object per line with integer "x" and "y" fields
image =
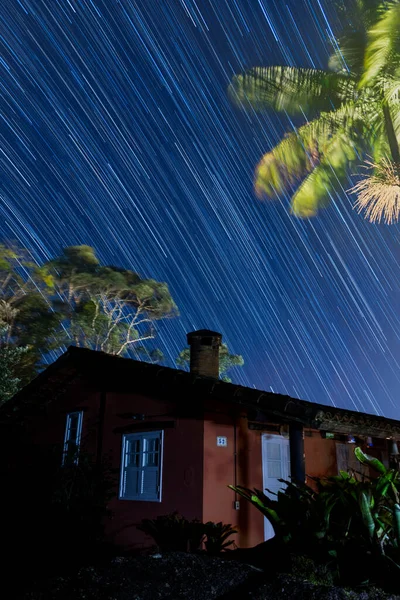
{"x": 141, "y": 466}
{"x": 151, "y": 465}
{"x": 341, "y": 457}
{"x": 149, "y": 483}
{"x": 131, "y": 482}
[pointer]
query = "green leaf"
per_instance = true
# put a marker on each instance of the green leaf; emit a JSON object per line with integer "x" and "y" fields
{"x": 365, "y": 459}
{"x": 290, "y": 89}
{"x": 295, "y": 156}
{"x": 382, "y": 43}
{"x": 314, "y": 192}
{"x": 349, "y": 51}
{"x": 367, "y": 515}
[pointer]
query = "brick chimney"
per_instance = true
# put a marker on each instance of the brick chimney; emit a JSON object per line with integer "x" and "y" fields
{"x": 204, "y": 352}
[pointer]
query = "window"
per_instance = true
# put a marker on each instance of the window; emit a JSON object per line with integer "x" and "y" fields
{"x": 141, "y": 466}
{"x": 72, "y": 438}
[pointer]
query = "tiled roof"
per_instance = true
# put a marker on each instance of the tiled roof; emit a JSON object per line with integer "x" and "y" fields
{"x": 113, "y": 373}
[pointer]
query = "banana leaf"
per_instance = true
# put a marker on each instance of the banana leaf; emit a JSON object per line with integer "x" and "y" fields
{"x": 370, "y": 461}
{"x": 366, "y": 514}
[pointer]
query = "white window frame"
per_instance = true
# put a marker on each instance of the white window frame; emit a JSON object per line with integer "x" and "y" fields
{"x": 67, "y": 436}
{"x": 143, "y": 435}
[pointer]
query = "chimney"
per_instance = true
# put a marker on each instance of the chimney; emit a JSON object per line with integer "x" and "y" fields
{"x": 204, "y": 352}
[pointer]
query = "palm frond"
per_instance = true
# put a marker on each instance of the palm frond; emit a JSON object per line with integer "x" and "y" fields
{"x": 354, "y": 111}
{"x": 391, "y": 89}
{"x": 379, "y": 148}
{"x": 394, "y": 108}
{"x": 349, "y": 51}
{"x": 313, "y": 193}
{"x": 368, "y": 127}
{"x": 291, "y": 89}
{"x": 349, "y": 46}
{"x": 367, "y": 11}
{"x": 301, "y": 151}
{"x": 383, "y": 38}
{"x": 295, "y": 156}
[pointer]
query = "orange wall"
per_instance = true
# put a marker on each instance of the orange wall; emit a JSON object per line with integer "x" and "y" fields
{"x": 196, "y": 472}
{"x": 182, "y": 481}
{"x": 320, "y": 456}
{"x": 218, "y": 499}
{"x": 182, "y": 488}
{"x": 46, "y": 430}
{"x": 321, "y": 460}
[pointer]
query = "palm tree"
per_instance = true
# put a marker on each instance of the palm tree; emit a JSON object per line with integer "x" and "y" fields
{"x": 352, "y": 112}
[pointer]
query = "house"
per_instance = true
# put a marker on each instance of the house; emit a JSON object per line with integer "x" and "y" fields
{"x": 177, "y": 439}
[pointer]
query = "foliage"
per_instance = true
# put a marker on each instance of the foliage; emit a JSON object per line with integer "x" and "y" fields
{"x": 107, "y": 308}
{"x": 153, "y": 356}
{"x": 216, "y": 536}
{"x": 353, "y": 111}
{"x": 226, "y": 361}
{"x": 25, "y": 310}
{"x": 345, "y": 516}
{"x": 297, "y": 516}
{"x": 175, "y": 533}
{"x": 10, "y": 359}
{"x": 74, "y": 299}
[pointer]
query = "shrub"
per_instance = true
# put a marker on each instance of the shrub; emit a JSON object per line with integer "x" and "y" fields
{"x": 175, "y": 533}
{"x": 352, "y": 526}
{"x": 216, "y": 535}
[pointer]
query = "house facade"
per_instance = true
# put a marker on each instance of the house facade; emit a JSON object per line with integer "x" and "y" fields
{"x": 177, "y": 439}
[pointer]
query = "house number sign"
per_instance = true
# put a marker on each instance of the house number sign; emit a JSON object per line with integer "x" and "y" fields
{"x": 222, "y": 441}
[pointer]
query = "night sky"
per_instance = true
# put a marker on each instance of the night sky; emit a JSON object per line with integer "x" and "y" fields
{"x": 117, "y": 132}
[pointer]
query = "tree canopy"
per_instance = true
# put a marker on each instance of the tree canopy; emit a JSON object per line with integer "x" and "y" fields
{"x": 73, "y": 299}
{"x": 27, "y": 319}
{"x": 107, "y": 308}
{"x": 10, "y": 358}
{"x": 353, "y": 117}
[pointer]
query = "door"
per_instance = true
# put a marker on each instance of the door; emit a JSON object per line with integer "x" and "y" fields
{"x": 275, "y": 465}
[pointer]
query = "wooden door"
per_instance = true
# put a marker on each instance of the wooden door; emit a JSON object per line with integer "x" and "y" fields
{"x": 275, "y": 465}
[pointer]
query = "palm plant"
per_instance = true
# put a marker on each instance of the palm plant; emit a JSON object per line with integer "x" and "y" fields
{"x": 352, "y": 112}
{"x": 344, "y": 517}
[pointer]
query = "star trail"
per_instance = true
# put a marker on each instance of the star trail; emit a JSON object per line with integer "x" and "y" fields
{"x": 117, "y": 132}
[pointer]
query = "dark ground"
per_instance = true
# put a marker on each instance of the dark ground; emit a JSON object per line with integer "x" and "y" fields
{"x": 179, "y": 576}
